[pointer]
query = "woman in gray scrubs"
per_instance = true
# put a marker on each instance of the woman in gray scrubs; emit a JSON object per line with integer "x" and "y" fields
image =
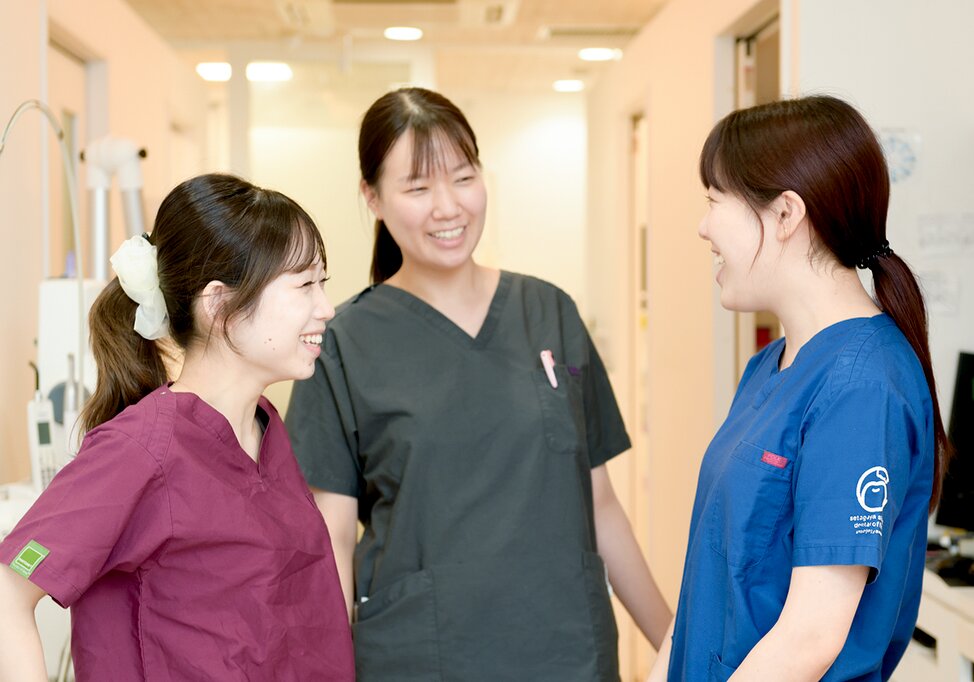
{"x": 464, "y": 416}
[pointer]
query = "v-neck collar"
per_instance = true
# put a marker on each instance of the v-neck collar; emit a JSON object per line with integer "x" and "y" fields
{"x": 444, "y": 323}
{"x": 209, "y": 418}
{"x": 776, "y": 376}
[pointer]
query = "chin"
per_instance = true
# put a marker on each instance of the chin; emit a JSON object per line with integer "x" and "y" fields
{"x": 304, "y": 373}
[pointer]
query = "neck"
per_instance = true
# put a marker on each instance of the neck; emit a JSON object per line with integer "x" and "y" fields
{"x": 220, "y": 383}
{"x": 444, "y": 286}
{"x": 821, "y": 298}
{"x": 462, "y": 295}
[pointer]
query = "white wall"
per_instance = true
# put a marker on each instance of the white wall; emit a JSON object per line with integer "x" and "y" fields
{"x": 138, "y": 89}
{"x": 534, "y": 152}
{"x": 912, "y": 72}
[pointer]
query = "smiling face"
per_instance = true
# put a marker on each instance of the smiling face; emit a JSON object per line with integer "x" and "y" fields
{"x": 744, "y": 251}
{"x": 282, "y": 338}
{"x": 436, "y": 216}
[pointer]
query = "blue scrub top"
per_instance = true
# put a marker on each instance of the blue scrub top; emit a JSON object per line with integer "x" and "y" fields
{"x": 827, "y": 462}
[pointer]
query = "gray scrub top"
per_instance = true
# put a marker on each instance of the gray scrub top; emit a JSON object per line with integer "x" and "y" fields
{"x": 472, "y": 472}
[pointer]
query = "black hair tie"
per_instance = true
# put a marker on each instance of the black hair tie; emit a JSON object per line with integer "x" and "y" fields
{"x": 870, "y": 261}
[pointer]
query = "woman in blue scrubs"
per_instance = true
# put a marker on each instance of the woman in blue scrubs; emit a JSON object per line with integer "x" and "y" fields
{"x": 808, "y": 533}
{"x": 463, "y": 415}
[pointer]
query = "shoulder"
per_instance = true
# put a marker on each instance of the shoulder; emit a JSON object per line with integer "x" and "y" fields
{"x": 876, "y": 350}
{"x": 373, "y": 305}
{"x": 536, "y": 292}
{"x": 146, "y": 426}
{"x": 361, "y": 302}
{"x": 536, "y": 285}
{"x": 876, "y": 362}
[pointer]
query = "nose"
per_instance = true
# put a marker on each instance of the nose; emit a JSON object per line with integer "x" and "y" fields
{"x": 702, "y": 229}
{"x": 324, "y": 310}
{"x": 445, "y": 203}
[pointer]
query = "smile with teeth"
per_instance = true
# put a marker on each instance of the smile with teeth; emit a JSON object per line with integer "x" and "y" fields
{"x": 313, "y": 339}
{"x": 448, "y": 234}
{"x": 718, "y": 259}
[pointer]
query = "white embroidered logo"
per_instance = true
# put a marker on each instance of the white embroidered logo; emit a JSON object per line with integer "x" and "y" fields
{"x": 872, "y": 489}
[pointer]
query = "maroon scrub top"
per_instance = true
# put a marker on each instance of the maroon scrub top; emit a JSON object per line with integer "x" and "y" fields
{"x": 183, "y": 559}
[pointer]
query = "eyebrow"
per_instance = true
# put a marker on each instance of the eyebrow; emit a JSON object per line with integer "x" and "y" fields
{"x": 459, "y": 167}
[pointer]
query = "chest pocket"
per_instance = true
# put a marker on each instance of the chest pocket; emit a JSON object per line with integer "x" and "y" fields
{"x": 562, "y": 410}
{"x": 748, "y": 502}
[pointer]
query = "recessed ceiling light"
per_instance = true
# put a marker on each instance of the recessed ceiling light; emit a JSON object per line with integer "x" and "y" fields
{"x": 599, "y": 54}
{"x": 214, "y": 71}
{"x": 403, "y": 33}
{"x": 572, "y": 85}
{"x": 269, "y": 71}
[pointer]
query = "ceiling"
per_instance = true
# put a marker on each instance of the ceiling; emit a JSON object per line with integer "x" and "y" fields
{"x": 506, "y": 45}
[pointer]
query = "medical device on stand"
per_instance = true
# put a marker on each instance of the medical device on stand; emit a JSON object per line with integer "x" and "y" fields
{"x": 65, "y": 365}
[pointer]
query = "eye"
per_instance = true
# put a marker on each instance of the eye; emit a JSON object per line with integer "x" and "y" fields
{"x": 465, "y": 179}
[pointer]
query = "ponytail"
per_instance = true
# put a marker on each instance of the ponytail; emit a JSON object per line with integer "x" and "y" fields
{"x": 210, "y": 227}
{"x": 823, "y": 149}
{"x": 129, "y": 366}
{"x": 899, "y": 295}
{"x": 386, "y": 255}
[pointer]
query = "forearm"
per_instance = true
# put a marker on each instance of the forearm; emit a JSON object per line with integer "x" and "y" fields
{"x": 341, "y": 516}
{"x": 662, "y": 666}
{"x": 343, "y": 561}
{"x": 21, "y": 656}
{"x": 787, "y": 654}
{"x": 812, "y": 627}
{"x": 629, "y": 574}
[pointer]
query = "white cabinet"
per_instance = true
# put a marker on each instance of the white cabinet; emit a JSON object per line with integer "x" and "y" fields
{"x": 947, "y": 615}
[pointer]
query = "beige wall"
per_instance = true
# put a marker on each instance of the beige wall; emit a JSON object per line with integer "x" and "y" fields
{"x": 21, "y": 44}
{"x": 137, "y": 88}
{"x": 669, "y": 73}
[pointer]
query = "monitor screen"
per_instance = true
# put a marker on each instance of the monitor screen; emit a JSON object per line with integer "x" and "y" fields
{"x": 957, "y": 501}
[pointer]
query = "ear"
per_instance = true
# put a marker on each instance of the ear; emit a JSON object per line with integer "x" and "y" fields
{"x": 371, "y": 198}
{"x": 789, "y": 214}
{"x": 211, "y": 301}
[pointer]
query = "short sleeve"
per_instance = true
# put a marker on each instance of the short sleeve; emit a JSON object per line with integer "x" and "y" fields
{"x": 605, "y": 430}
{"x": 321, "y": 423}
{"x": 107, "y": 510}
{"x": 852, "y": 476}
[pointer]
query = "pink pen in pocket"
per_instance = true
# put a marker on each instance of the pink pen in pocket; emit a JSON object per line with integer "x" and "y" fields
{"x": 548, "y": 362}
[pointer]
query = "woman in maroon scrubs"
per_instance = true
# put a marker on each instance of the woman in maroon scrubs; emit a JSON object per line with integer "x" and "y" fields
{"x": 183, "y": 536}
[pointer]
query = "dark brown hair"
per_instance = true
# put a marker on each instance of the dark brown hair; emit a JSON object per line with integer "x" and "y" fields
{"x": 433, "y": 121}
{"x": 821, "y": 148}
{"x": 209, "y": 228}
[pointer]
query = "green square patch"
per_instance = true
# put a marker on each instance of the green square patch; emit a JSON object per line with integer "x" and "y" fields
{"x": 30, "y": 557}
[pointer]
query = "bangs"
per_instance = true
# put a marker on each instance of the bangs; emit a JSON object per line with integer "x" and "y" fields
{"x": 711, "y": 171}
{"x": 281, "y": 238}
{"x": 432, "y": 146}
{"x": 304, "y": 247}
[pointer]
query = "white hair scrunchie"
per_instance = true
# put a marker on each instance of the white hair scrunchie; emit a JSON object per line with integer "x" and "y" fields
{"x": 138, "y": 272}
